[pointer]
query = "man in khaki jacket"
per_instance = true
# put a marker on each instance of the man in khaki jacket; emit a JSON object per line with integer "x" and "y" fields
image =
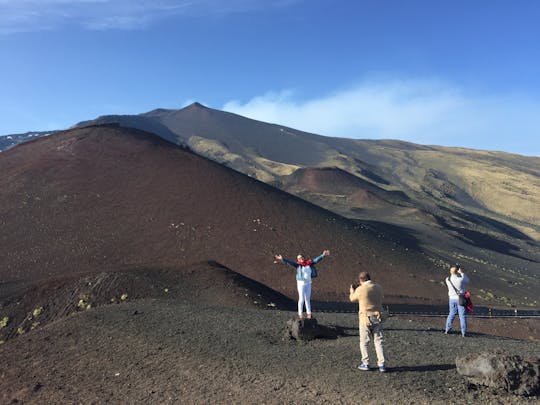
{"x": 371, "y": 316}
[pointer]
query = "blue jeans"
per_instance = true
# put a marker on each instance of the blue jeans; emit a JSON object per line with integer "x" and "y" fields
{"x": 453, "y": 304}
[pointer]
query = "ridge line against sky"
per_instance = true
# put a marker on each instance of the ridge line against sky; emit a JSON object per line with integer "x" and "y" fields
{"x": 461, "y": 74}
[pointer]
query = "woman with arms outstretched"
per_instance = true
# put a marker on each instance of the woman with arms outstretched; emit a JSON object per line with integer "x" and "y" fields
{"x": 305, "y": 272}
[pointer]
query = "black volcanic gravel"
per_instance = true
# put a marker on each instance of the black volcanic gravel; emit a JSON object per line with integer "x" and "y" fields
{"x": 169, "y": 351}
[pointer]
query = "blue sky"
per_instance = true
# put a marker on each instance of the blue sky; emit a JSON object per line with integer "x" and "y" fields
{"x": 460, "y": 73}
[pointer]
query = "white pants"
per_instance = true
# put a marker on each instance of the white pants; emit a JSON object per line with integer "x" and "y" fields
{"x": 304, "y": 296}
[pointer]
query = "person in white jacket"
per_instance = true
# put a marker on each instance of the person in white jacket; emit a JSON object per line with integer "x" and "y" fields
{"x": 456, "y": 283}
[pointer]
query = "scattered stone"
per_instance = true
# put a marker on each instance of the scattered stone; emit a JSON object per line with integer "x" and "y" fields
{"x": 309, "y": 329}
{"x": 499, "y": 369}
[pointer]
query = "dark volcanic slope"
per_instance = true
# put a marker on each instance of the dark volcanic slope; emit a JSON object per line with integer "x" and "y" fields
{"x": 235, "y": 131}
{"x": 107, "y": 198}
{"x": 56, "y": 298}
{"x": 238, "y": 133}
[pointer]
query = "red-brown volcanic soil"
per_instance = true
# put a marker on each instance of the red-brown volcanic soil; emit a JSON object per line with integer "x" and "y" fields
{"x": 106, "y": 198}
{"x": 336, "y": 182}
{"x": 329, "y": 181}
{"x": 366, "y": 199}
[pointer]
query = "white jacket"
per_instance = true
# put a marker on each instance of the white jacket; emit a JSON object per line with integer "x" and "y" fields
{"x": 458, "y": 282}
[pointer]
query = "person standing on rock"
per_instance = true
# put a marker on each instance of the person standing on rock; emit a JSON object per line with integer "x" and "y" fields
{"x": 305, "y": 273}
{"x": 456, "y": 283}
{"x": 370, "y": 319}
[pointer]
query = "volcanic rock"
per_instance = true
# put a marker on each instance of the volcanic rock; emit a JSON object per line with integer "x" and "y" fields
{"x": 499, "y": 369}
{"x": 310, "y": 329}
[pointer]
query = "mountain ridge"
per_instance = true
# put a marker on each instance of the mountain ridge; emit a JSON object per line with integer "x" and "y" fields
{"x": 476, "y": 207}
{"x": 110, "y": 198}
{"x": 501, "y": 186}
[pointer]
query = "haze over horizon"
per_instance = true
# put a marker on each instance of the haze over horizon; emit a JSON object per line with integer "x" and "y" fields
{"x": 461, "y": 74}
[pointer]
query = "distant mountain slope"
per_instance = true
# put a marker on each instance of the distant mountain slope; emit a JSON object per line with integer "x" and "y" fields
{"x": 502, "y": 186}
{"x": 8, "y": 141}
{"x": 105, "y": 198}
{"x": 478, "y": 207}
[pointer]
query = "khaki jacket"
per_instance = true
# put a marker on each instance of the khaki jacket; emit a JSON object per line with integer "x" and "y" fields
{"x": 369, "y": 296}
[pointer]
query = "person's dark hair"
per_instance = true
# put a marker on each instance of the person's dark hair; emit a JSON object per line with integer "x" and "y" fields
{"x": 364, "y": 276}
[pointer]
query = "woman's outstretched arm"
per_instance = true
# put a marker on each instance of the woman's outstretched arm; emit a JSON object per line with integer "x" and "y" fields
{"x": 286, "y": 261}
{"x": 321, "y": 256}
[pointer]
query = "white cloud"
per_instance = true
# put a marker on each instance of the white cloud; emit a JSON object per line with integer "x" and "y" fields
{"x": 38, "y": 15}
{"x": 420, "y": 111}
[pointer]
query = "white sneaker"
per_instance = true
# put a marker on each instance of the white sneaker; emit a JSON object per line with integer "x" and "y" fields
{"x": 363, "y": 367}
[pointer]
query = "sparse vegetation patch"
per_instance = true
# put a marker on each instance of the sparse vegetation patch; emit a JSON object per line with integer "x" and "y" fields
{"x": 84, "y": 302}
{"x": 4, "y": 322}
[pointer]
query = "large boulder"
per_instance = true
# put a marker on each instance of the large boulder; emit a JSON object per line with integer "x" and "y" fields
{"x": 309, "y": 329}
{"x": 499, "y": 369}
